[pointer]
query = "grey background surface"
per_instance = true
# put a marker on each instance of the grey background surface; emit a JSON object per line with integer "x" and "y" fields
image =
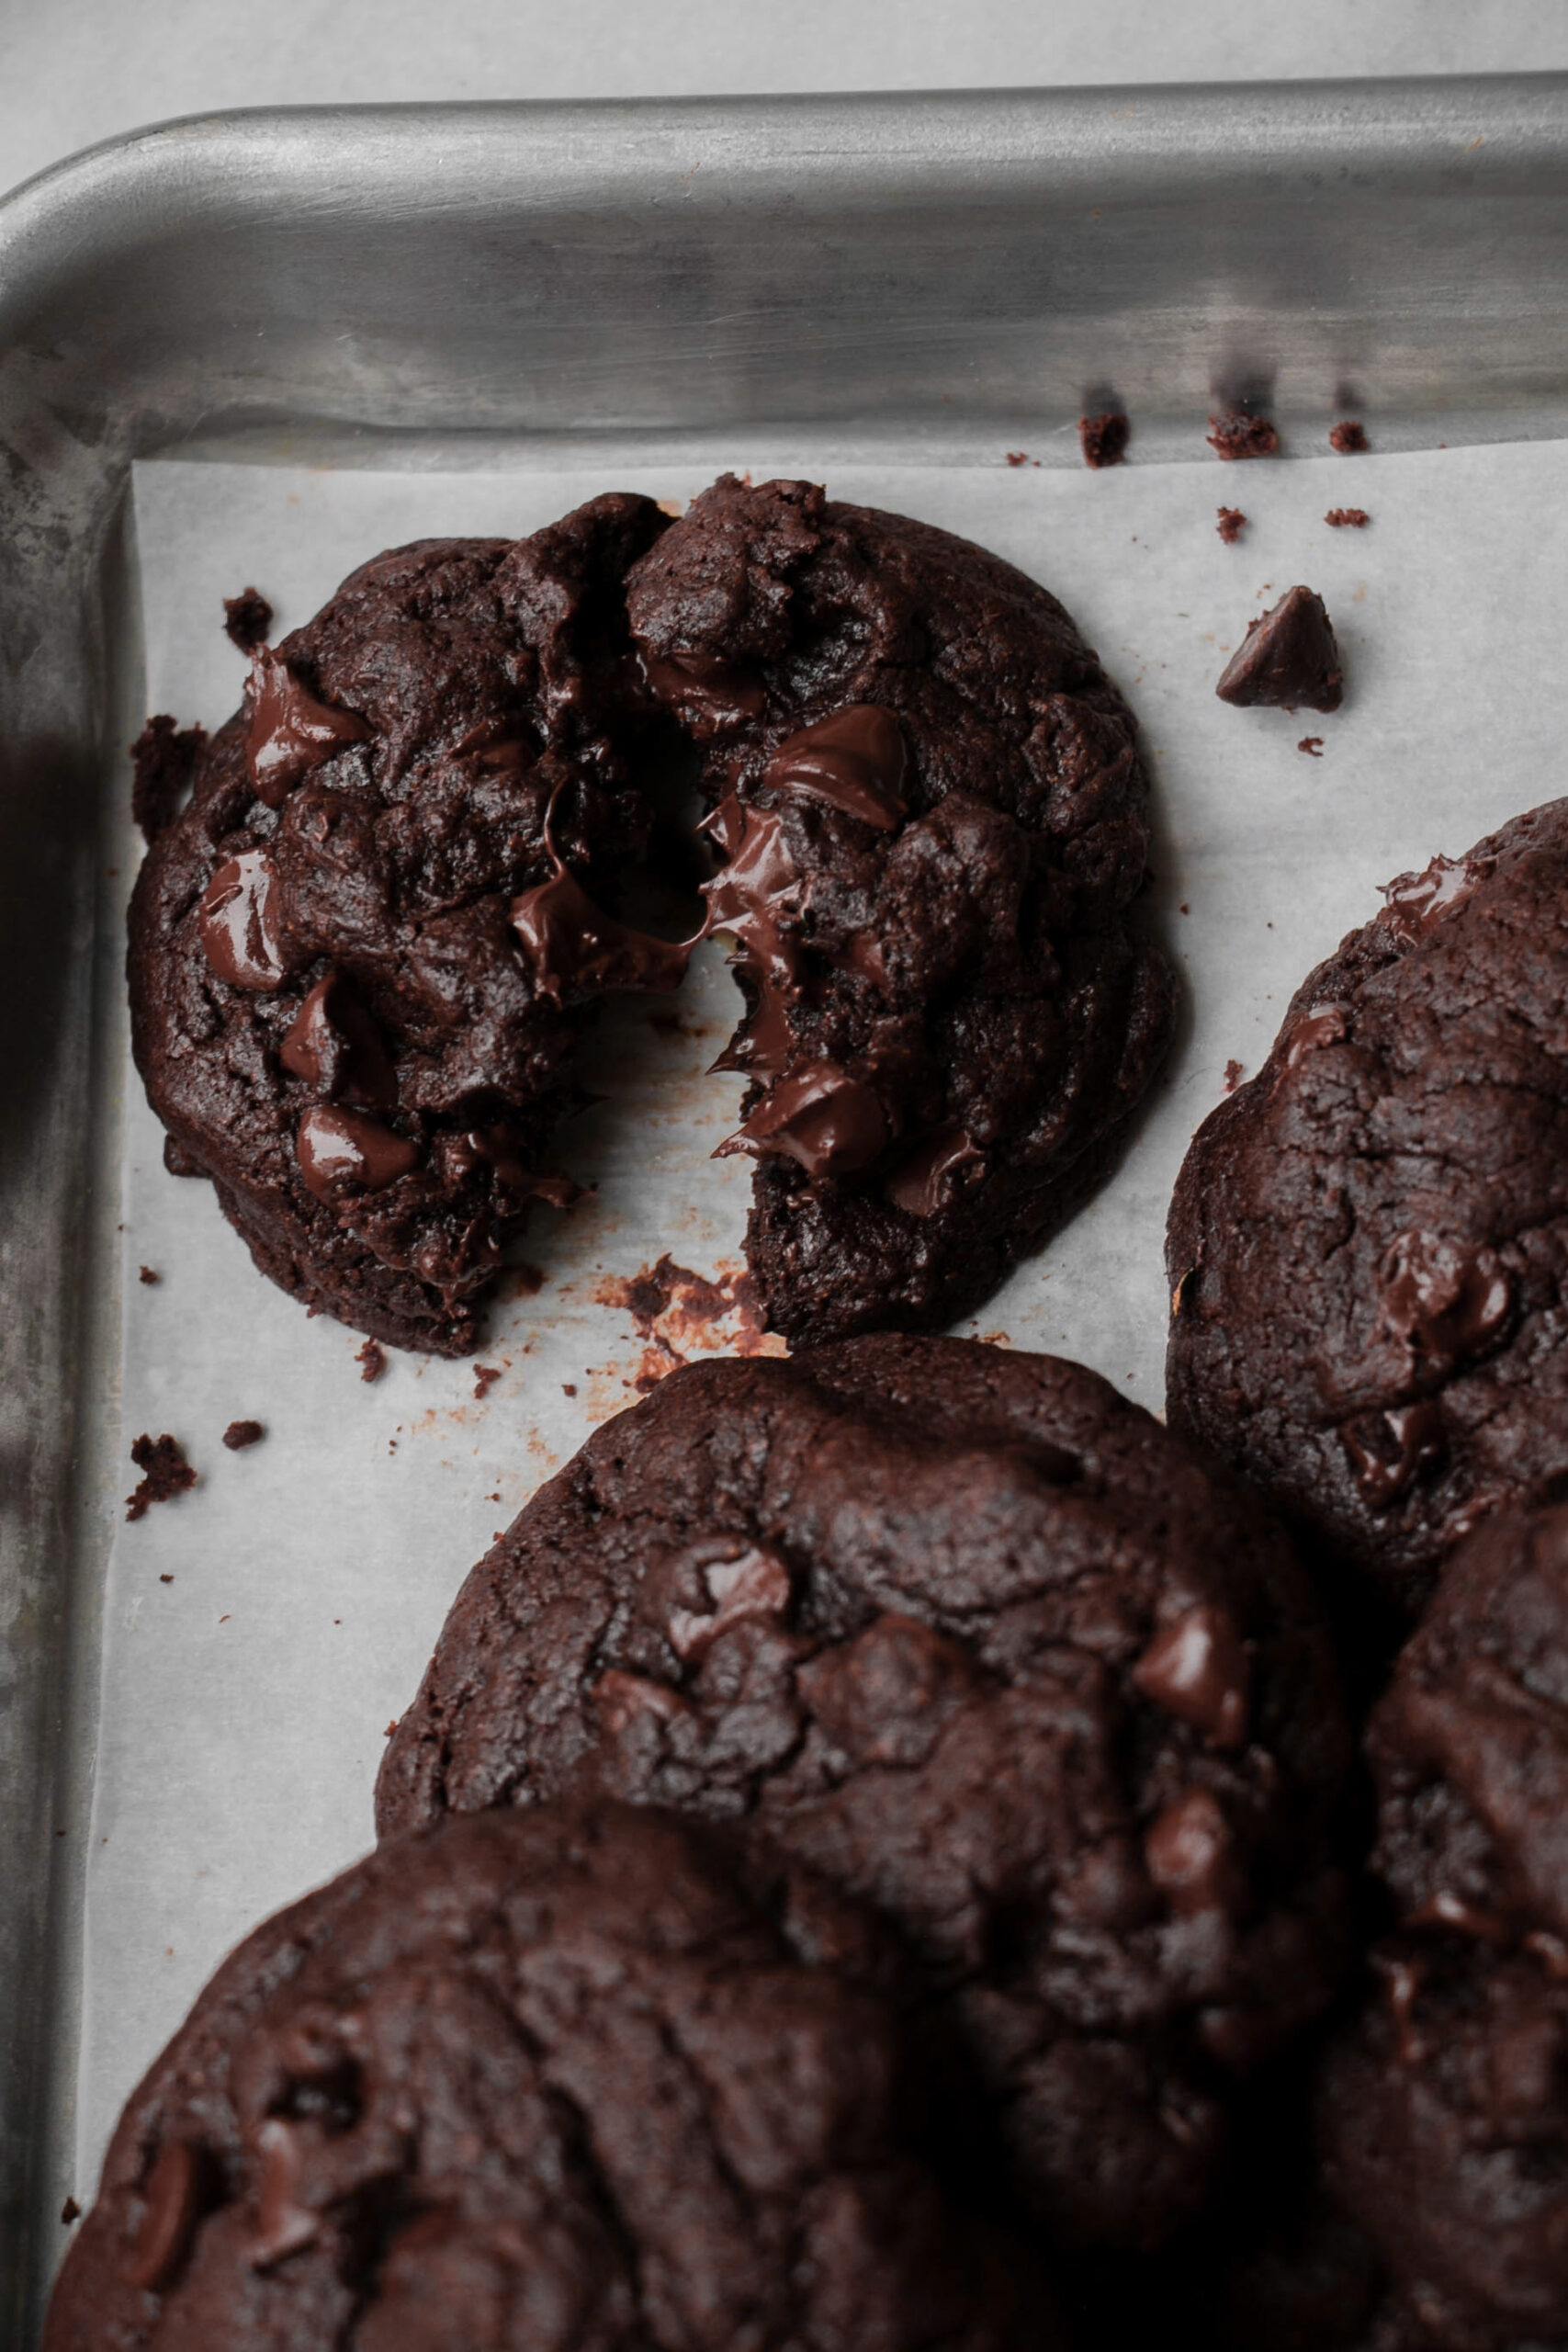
{"x": 72, "y": 71}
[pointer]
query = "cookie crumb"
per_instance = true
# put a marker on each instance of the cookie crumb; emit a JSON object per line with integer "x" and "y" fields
{"x": 1312, "y": 745}
{"x": 1233, "y": 1075}
{"x": 1231, "y": 525}
{"x": 568, "y": 1388}
{"x": 1022, "y": 458}
{"x": 246, "y": 619}
{"x": 243, "y": 1434}
{"x": 1104, "y": 438}
{"x": 1237, "y": 435}
{"x": 392, "y": 1728}
{"x": 166, "y": 1473}
{"x": 485, "y": 1377}
{"x": 69, "y": 2211}
{"x": 372, "y": 1360}
{"x": 1347, "y": 518}
{"x": 1349, "y": 439}
{"x": 149, "y": 1274}
{"x": 165, "y": 1580}
{"x": 164, "y": 759}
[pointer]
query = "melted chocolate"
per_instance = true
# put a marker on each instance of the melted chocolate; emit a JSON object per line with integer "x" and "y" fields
{"x": 289, "y": 731}
{"x": 833, "y": 1124}
{"x": 753, "y": 894}
{"x": 1416, "y": 903}
{"x": 1287, "y": 658}
{"x": 173, "y": 2204}
{"x": 341, "y": 1151}
{"x": 1197, "y": 1670}
{"x": 1442, "y": 1298}
{"x": 930, "y": 1179}
{"x": 754, "y": 1584}
{"x": 336, "y": 1047}
{"x": 706, "y": 688}
{"x": 1388, "y": 1450}
{"x": 238, "y": 923}
{"x": 854, "y": 761}
{"x": 572, "y": 943}
{"x": 1320, "y": 1024}
{"x": 283, "y": 2224}
{"x": 1189, "y": 1852}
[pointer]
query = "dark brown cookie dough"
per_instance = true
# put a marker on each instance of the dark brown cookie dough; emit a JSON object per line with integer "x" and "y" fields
{"x": 358, "y": 958}
{"x": 549, "y": 2082}
{"x": 934, "y": 820}
{"x": 1367, "y": 1244}
{"x": 974, "y": 1638}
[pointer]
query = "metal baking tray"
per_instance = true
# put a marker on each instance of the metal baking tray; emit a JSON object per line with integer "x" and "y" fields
{"x": 428, "y": 284}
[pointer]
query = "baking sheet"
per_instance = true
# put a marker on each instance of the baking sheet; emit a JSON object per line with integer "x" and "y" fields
{"x": 261, "y": 1632}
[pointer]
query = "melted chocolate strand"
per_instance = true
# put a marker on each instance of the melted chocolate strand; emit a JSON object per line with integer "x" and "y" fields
{"x": 853, "y": 761}
{"x": 833, "y": 1124}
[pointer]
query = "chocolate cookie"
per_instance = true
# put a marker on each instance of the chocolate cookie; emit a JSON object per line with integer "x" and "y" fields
{"x": 1367, "y": 1247}
{"x": 1445, "y": 2126}
{"x": 551, "y": 2082}
{"x": 1444, "y": 2113}
{"x": 360, "y": 955}
{"x": 933, "y": 820}
{"x": 973, "y": 1637}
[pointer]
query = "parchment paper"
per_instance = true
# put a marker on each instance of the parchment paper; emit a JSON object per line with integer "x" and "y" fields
{"x": 261, "y": 1632}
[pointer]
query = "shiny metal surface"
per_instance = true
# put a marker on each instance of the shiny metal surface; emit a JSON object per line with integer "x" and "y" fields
{"x": 941, "y": 273}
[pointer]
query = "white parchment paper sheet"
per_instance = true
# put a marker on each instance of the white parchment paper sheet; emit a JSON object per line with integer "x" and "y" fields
{"x": 260, "y": 1631}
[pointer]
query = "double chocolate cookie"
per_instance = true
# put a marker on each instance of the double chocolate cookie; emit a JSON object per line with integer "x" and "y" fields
{"x": 544, "y": 2083}
{"x": 1445, "y": 2112}
{"x": 934, "y": 820}
{"x": 974, "y": 1638}
{"x": 361, "y": 956}
{"x": 1367, "y": 1247}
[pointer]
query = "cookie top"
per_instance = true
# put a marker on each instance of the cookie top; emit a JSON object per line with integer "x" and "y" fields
{"x": 972, "y": 1636}
{"x": 555, "y": 2081}
{"x": 933, "y": 820}
{"x": 359, "y": 956}
{"x": 1365, "y": 1243}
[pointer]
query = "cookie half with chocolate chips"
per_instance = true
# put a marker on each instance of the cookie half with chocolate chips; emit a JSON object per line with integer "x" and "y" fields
{"x": 975, "y": 1640}
{"x": 933, "y": 820}
{"x": 361, "y": 955}
{"x": 554, "y": 2083}
{"x": 1367, "y": 1247}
